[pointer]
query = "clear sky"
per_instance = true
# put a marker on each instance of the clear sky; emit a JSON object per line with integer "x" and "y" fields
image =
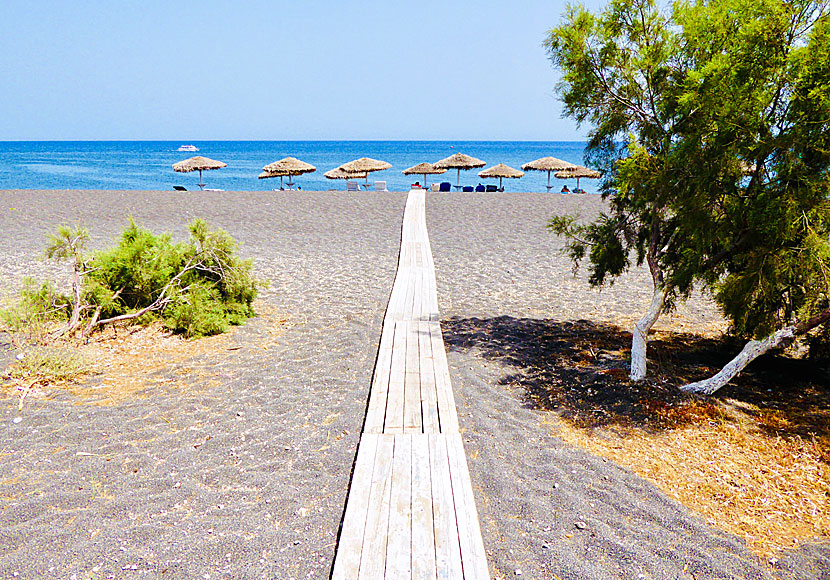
{"x": 434, "y": 69}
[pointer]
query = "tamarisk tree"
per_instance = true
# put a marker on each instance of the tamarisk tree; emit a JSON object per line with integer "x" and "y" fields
{"x": 197, "y": 288}
{"x": 712, "y": 121}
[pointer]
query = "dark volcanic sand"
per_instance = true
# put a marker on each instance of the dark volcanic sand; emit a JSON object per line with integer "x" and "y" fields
{"x": 245, "y": 475}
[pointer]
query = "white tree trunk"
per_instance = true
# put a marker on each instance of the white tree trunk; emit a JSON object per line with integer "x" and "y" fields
{"x": 752, "y": 350}
{"x": 639, "y": 339}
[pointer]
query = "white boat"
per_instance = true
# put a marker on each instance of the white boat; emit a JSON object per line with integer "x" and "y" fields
{"x": 187, "y": 148}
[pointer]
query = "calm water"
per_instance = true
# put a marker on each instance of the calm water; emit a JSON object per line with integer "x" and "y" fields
{"x": 147, "y": 164}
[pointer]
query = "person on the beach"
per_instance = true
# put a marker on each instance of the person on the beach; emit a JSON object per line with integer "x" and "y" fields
{"x": 565, "y": 189}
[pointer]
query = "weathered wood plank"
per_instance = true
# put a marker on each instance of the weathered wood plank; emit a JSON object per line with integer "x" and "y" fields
{"x": 412, "y": 382}
{"x": 429, "y": 397}
{"x": 358, "y": 509}
{"x": 423, "y": 531}
{"x": 399, "y": 542}
{"x": 473, "y": 556}
{"x": 394, "y": 421}
{"x": 373, "y": 554}
{"x": 443, "y": 387}
{"x": 447, "y": 546}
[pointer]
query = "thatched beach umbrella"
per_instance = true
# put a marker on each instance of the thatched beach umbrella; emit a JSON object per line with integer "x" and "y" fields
{"x": 578, "y": 172}
{"x": 424, "y": 169}
{"x": 364, "y": 166}
{"x": 548, "y": 164}
{"x": 338, "y": 173}
{"x": 280, "y": 174}
{"x": 286, "y": 167}
{"x": 199, "y": 164}
{"x": 459, "y": 161}
{"x": 501, "y": 171}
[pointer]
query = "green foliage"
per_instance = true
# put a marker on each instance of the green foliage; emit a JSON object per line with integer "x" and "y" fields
{"x": 197, "y": 288}
{"x": 39, "y": 307}
{"x": 67, "y": 243}
{"x": 201, "y": 287}
{"x": 711, "y": 122}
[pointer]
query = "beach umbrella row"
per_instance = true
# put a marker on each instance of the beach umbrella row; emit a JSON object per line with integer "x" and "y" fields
{"x": 360, "y": 168}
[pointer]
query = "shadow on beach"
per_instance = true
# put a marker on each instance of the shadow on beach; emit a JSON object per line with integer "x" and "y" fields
{"x": 579, "y": 369}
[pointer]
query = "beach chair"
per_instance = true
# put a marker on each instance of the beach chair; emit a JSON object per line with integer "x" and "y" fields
{"x": 492, "y": 188}
{"x": 467, "y": 189}
{"x": 435, "y": 187}
{"x": 352, "y": 186}
{"x": 179, "y": 188}
{"x": 445, "y": 186}
{"x": 480, "y": 188}
{"x": 380, "y": 186}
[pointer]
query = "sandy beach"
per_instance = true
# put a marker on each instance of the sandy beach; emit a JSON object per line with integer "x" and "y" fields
{"x": 236, "y": 464}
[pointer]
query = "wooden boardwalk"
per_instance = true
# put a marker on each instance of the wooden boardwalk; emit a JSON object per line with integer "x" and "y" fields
{"x": 410, "y": 511}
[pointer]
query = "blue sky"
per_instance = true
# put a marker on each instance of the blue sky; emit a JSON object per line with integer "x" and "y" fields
{"x": 279, "y": 70}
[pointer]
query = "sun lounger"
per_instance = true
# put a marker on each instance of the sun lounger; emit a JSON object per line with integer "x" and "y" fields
{"x": 380, "y": 186}
{"x": 492, "y": 188}
{"x": 480, "y": 188}
{"x": 352, "y": 186}
{"x": 467, "y": 188}
{"x": 179, "y": 188}
{"x": 445, "y": 186}
{"x": 435, "y": 187}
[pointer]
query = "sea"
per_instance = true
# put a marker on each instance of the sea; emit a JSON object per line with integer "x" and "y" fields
{"x": 147, "y": 165}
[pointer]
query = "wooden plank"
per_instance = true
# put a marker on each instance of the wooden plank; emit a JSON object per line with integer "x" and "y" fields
{"x": 443, "y": 387}
{"x": 473, "y": 556}
{"x": 423, "y": 532}
{"x": 373, "y": 555}
{"x": 376, "y": 412}
{"x": 412, "y": 383}
{"x": 399, "y": 542}
{"x": 347, "y": 561}
{"x": 447, "y": 546}
{"x": 393, "y": 422}
{"x": 429, "y": 398}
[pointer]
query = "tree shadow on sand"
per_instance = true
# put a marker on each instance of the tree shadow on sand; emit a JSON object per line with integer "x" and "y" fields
{"x": 580, "y": 370}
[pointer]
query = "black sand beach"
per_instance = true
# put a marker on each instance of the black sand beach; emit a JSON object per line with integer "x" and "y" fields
{"x": 236, "y": 464}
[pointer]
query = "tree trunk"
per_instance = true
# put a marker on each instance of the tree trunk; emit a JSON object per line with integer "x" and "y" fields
{"x": 639, "y": 338}
{"x": 75, "y": 318}
{"x": 640, "y": 332}
{"x": 752, "y": 350}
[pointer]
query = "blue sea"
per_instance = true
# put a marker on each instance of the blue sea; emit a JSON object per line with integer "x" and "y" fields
{"x": 148, "y": 164}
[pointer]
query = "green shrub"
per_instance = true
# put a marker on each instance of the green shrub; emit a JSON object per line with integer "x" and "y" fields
{"x": 198, "y": 288}
{"x": 39, "y": 306}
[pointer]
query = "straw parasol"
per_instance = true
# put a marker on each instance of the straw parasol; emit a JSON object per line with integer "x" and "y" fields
{"x": 364, "y": 166}
{"x": 338, "y": 173}
{"x": 424, "y": 169}
{"x": 287, "y": 167}
{"x": 578, "y": 172}
{"x": 548, "y": 164}
{"x": 199, "y": 164}
{"x": 501, "y": 171}
{"x": 459, "y": 161}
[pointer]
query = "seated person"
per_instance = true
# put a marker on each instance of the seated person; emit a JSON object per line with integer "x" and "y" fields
{"x": 565, "y": 189}
{"x": 480, "y": 188}
{"x": 416, "y": 185}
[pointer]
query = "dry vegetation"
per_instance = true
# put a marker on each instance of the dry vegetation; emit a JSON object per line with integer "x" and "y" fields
{"x": 122, "y": 362}
{"x": 753, "y": 461}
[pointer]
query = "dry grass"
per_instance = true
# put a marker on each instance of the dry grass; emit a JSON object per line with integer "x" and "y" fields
{"x": 753, "y": 460}
{"x": 769, "y": 490}
{"x": 120, "y": 363}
